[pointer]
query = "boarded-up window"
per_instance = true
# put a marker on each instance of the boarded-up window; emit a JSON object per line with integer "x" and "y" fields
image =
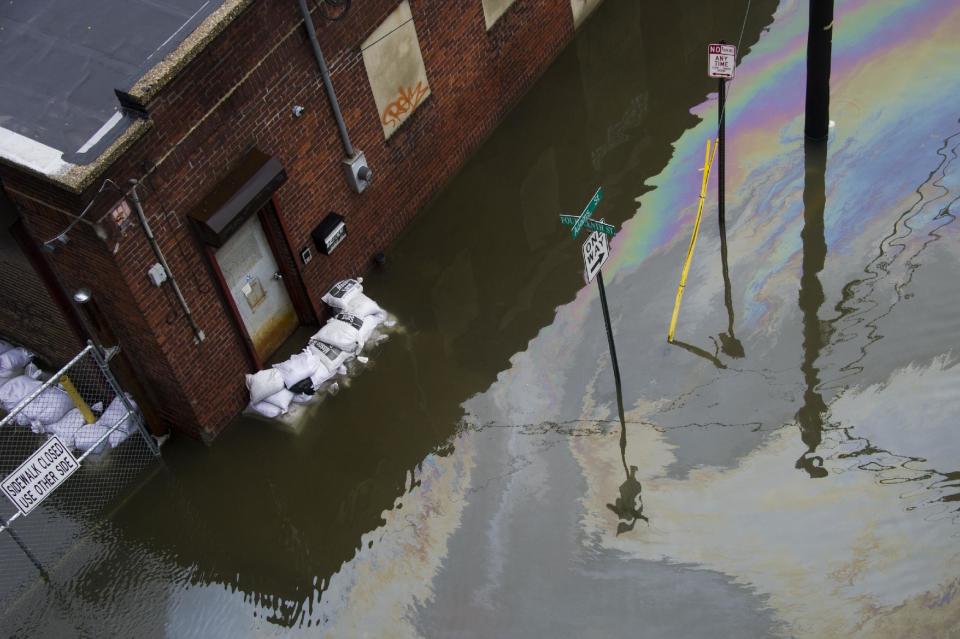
{"x": 394, "y": 66}
{"x": 493, "y": 9}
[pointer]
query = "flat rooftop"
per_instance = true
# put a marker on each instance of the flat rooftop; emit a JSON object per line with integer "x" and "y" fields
{"x": 62, "y": 61}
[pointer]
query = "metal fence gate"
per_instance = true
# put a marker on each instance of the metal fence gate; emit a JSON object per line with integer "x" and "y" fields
{"x": 104, "y": 434}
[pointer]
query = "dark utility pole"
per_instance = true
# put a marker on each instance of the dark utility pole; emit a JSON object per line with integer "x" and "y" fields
{"x": 819, "y": 46}
{"x": 721, "y": 135}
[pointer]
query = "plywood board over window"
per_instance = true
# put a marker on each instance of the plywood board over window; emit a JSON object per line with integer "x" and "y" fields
{"x": 395, "y": 68}
{"x": 493, "y": 9}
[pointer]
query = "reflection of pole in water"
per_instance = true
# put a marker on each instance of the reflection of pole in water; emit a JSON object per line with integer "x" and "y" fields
{"x": 729, "y": 344}
{"x": 628, "y": 507}
{"x": 810, "y": 415}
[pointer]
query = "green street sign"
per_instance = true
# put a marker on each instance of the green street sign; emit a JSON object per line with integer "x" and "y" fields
{"x": 593, "y": 225}
{"x": 588, "y": 211}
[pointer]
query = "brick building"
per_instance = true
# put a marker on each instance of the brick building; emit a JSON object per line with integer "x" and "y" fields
{"x": 222, "y": 131}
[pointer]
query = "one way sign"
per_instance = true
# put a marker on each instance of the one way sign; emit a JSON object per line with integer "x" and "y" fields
{"x": 595, "y": 253}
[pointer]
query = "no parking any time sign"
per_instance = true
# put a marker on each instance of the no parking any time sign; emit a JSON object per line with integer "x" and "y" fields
{"x": 721, "y": 59}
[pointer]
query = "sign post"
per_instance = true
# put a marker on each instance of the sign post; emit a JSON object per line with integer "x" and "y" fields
{"x": 721, "y": 62}
{"x": 595, "y": 253}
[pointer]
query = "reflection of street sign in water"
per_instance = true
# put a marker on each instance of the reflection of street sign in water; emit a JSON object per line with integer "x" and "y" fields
{"x": 588, "y": 211}
{"x": 721, "y": 59}
{"x": 595, "y": 253}
{"x": 593, "y": 225}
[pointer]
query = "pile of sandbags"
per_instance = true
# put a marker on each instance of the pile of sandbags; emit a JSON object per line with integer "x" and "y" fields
{"x": 53, "y": 412}
{"x": 301, "y": 378}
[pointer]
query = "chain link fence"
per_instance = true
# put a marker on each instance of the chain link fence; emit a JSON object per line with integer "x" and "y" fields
{"x": 72, "y": 444}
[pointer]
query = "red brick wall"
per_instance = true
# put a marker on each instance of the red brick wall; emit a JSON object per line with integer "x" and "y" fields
{"x": 206, "y": 118}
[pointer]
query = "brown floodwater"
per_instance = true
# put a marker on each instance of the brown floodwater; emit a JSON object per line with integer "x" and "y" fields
{"x": 789, "y": 467}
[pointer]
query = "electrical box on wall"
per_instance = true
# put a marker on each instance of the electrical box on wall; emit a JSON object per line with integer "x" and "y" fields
{"x": 329, "y": 233}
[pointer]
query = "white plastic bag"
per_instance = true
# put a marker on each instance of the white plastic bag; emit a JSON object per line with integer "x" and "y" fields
{"x": 331, "y": 356}
{"x": 265, "y": 409}
{"x": 264, "y": 384}
{"x": 88, "y": 436}
{"x": 66, "y": 429}
{"x": 299, "y": 367}
{"x": 14, "y": 360}
{"x": 341, "y": 293}
{"x": 15, "y": 389}
{"x": 281, "y": 400}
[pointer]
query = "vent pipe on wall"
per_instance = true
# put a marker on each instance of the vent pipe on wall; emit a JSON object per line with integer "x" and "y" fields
{"x": 355, "y": 164}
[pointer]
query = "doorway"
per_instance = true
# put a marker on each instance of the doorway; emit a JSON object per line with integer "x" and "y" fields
{"x": 255, "y": 284}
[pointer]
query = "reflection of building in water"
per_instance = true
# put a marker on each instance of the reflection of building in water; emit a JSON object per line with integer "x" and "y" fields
{"x": 628, "y": 507}
{"x": 810, "y": 415}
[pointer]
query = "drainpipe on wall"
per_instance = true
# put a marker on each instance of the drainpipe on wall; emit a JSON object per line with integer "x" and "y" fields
{"x": 355, "y": 164}
{"x": 135, "y": 198}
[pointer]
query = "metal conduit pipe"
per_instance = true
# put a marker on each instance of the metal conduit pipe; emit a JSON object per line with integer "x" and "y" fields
{"x": 325, "y": 74}
{"x": 135, "y": 198}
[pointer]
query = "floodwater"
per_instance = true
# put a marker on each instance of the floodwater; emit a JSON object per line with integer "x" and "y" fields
{"x": 789, "y": 468}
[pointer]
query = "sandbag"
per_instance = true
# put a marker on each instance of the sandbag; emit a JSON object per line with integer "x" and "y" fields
{"x": 362, "y": 306}
{"x": 342, "y": 293}
{"x": 298, "y": 367}
{"x": 88, "y": 436}
{"x": 116, "y": 412}
{"x": 49, "y": 406}
{"x": 347, "y": 331}
{"x": 320, "y": 376}
{"x": 117, "y": 437}
{"x": 66, "y": 429}
{"x": 263, "y": 384}
{"x": 303, "y": 398}
{"x": 15, "y": 389}
{"x": 14, "y": 359}
{"x": 5, "y": 346}
{"x": 265, "y": 409}
{"x": 281, "y": 399}
{"x": 331, "y": 356}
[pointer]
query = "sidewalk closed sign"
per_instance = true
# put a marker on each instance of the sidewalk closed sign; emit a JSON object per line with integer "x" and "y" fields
{"x": 40, "y": 475}
{"x": 721, "y": 59}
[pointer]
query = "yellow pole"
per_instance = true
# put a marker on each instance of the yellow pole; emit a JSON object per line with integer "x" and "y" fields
{"x": 77, "y": 399}
{"x": 707, "y": 163}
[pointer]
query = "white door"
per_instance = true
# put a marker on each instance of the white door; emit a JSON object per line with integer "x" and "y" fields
{"x": 254, "y": 281}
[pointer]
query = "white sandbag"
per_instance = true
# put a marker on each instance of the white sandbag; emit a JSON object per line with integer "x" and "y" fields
{"x": 331, "y": 356}
{"x": 340, "y": 294}
{"x": 5, "y": 346}
{"x": 117, "y": 437}
{"x": 88, "y": 436}
{"x": 116, "y": 412}
{"x": 265, "y": 410}
{"x": 38, "y": 428}
{"x": 299, "y": 367}
{"x": 281, "y": 399}
{"x": 303, "y": 398}
{"x": 66, "y": 429}
{"x": 362, "y": 306}
{"x": 320, "y": 376}
{"x": 15, "y": 389}
{"x": 263, "y": 384}
{"x": 14, "y": 359}
{"x": 33, "y": 371}
{"x": 347, "y": 331}
{"x": 49, "y": 406}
